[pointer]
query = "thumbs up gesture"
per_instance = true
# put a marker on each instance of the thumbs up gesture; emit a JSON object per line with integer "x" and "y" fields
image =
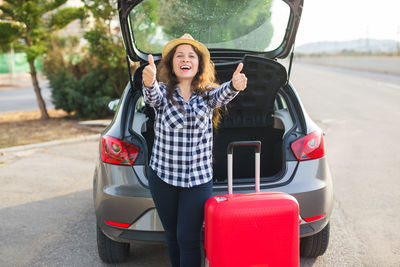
{"x": 239, "y": 80}
{"x": 149, "y": 72}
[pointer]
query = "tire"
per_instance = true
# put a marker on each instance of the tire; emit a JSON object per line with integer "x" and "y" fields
{"x": 315, "y": 245}
{"x": 109, "y": 250}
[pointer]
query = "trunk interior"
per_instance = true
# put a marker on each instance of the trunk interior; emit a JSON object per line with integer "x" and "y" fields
{"x": 250, "y": 116}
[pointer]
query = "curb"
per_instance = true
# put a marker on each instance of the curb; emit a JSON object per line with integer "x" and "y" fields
{"x": 100, "y": 123}
{"x": 50, "y": 143}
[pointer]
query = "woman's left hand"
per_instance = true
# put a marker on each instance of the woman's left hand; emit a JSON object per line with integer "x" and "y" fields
{"x": 239, "y": 80}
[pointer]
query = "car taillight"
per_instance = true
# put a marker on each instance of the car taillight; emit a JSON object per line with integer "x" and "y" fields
{"x": 309, "y": 147}
{"x": 116, "y": 151}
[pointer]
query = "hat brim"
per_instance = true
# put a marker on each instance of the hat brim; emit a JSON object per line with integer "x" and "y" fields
{"x": 173, "y": 43}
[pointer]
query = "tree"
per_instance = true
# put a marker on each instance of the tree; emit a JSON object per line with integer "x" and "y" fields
{"x": 83, "y": 81}
{"x": 32, "y": 23}
{"x": 105, "y": 42}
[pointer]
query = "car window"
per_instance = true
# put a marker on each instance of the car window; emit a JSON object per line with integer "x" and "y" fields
{"x": 253, "y": 25}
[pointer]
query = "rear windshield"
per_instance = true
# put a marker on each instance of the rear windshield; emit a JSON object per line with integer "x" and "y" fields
{"x": 252, "y": 25}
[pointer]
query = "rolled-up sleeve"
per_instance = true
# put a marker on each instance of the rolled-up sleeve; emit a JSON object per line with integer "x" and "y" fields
{"x": 152, "y": 94}
{"x": 220, "y": 96}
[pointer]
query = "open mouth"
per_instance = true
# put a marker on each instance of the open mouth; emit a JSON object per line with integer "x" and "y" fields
{"x": 185, "y": 68}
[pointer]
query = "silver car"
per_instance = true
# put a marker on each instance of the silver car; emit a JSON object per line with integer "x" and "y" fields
{"x": 293, "y": 160}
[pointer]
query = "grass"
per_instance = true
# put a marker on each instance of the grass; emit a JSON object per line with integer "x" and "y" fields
{"x": 22, "y": 128}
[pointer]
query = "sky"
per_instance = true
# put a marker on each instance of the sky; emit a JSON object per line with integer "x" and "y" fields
{"x": 342, "y": 20}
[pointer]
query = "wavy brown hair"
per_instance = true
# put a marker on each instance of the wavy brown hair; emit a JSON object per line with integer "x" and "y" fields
{"x": 203, "y": 81}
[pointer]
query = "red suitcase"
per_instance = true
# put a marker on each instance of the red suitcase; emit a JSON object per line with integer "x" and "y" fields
{"x": 255, "y": 229}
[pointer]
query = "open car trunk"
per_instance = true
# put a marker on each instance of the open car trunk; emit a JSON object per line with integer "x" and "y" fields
{"x": 249, "y": 116}
{"x": 244, "y": 157}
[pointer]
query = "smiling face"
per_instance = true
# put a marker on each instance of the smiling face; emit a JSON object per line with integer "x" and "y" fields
{"x": 185, "y": 62}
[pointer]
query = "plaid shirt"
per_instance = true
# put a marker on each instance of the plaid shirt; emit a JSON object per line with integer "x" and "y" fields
{"x": 182, "y": 150}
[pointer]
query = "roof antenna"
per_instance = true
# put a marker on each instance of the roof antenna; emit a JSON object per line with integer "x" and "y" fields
{"x": 290, "y": 62}
{"x": 129, "y": 70}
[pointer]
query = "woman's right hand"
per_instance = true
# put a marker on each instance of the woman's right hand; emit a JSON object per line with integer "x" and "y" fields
{"x": 149, "y": 72}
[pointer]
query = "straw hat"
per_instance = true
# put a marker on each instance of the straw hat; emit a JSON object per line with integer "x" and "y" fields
{"x": 186, "y": 39}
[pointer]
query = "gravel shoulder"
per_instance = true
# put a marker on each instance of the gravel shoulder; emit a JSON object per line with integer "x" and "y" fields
{"x": 23, "y": 128}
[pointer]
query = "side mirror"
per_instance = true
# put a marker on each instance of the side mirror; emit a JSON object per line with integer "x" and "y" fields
{"x": 113, "y": 104}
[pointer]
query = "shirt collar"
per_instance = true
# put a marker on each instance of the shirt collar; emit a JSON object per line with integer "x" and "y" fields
{"x": 178, "y": 96}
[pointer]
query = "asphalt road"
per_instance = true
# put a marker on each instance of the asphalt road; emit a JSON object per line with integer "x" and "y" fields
{"x": 46, "y": 210}
{"x": 24, "y": 98}
{"x": 389, "y": 65}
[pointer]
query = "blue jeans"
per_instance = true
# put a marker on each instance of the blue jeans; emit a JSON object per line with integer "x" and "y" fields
{"x": 181, "y": 212}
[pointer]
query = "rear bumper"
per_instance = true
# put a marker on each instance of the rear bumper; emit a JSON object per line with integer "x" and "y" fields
{"x": 157, "y": 235}
{"x": 313, "y": 189}
{"x": 121, "y": 197}
{"x": 125, "y": 236}
{"x": 126, "y": 200}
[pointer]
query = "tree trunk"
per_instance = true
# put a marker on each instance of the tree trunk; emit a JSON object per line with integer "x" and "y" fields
{"x": 39, "y": 98}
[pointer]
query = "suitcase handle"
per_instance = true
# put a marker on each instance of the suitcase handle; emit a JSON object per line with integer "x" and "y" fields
{"x": 257, "y": 145}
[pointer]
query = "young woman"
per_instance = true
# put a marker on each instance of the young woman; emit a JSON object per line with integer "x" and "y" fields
{"x": 180, "y": 174}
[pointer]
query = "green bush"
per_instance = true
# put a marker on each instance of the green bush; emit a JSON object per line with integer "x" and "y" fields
{"x": 87, "y": 96}
{"x": 85, "y": 77}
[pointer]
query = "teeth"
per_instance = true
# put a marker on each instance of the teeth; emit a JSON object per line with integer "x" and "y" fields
{"x": 185, "y": 68}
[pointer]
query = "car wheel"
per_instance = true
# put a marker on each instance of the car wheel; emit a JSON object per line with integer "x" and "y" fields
{"x": 315, "y": 245}
{"x": 111, "y": 251}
